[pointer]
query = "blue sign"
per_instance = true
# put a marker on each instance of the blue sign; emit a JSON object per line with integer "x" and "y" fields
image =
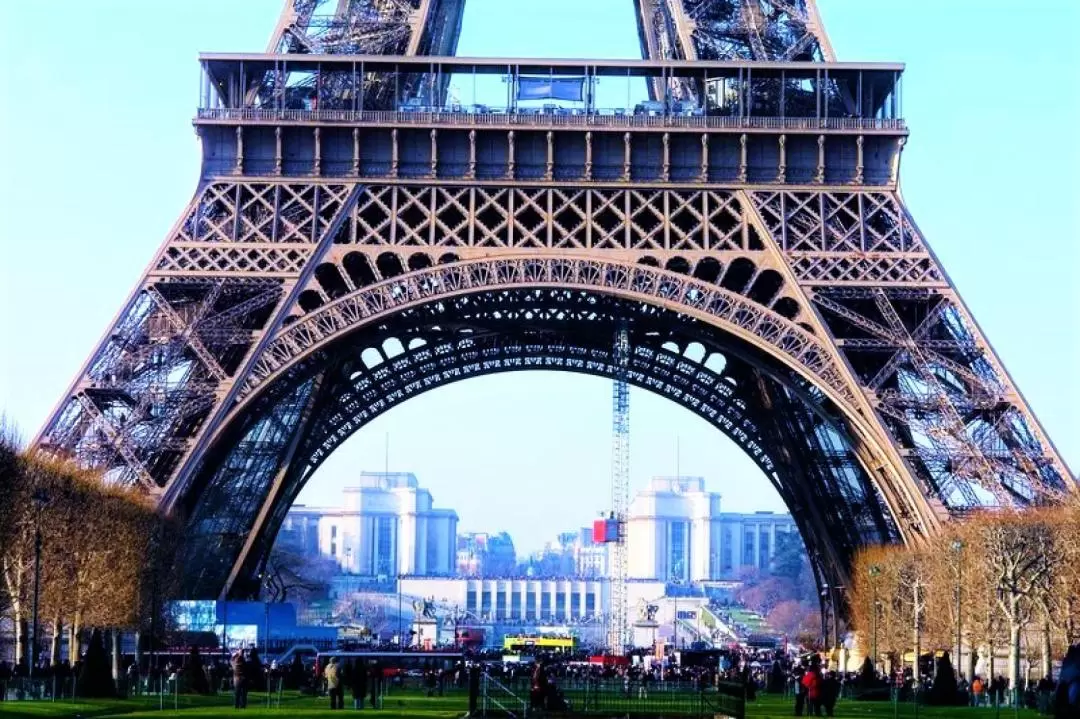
{"x": 686, "y": 614}
{"x": 549, "y": 88}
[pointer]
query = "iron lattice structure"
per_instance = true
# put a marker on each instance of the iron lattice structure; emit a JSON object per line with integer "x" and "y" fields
{"x": 355, "y": 242}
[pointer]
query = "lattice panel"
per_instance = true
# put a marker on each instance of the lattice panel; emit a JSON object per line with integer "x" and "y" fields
{"x": 258, "y": 204}
{"x": 262, "y": 212}
{"x": 505, "y": 217}
{"x": 530, "y": 219}
{"x": 570, "y": 224}
{"x": 847, "y": 238}
{"x": 821, "y": 268}
{"x": 453, "y": 208}
{"x": 215, "y": 259}
{"x": 843, "y": 222}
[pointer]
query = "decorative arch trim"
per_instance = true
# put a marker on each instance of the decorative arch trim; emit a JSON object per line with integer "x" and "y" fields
{"x": 761, "y": 327}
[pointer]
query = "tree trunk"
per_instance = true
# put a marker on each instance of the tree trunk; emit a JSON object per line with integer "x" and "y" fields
{"x": 115, "y": 634}
{"x": 57, "y": 633}
{"x": 918, "y": 651}
{"x": 138, "y": 648}
{"x": 22, "y": 640}
{"x": 74, "y": 638}
{"x": 1047, "y": 659}
{"x": 1014, "y": 657}
{"x": 958, "y": 660}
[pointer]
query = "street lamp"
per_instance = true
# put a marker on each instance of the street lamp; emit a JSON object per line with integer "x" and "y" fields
{"x": 400, "y": 638}
{"x": 958, "y": 547}
{"x": 874, "y": 571}
{"x": 39, "y": 500}
{"x": 266, "y": 586}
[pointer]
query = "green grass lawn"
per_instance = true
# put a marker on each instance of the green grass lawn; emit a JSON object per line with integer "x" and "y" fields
{"x": 415, "y": 705}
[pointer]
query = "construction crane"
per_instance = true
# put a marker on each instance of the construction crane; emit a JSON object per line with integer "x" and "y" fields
{"x": 612, "y": 528}
{"x": 618, "y": 631}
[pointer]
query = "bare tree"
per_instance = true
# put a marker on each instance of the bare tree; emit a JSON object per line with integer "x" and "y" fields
{"x": 1017, "y": 552}
{"x": 291, "y": 575}
{"x": 880, "y": 606}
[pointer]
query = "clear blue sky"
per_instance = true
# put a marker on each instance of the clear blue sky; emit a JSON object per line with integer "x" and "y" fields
{"x": 98, "y": 157}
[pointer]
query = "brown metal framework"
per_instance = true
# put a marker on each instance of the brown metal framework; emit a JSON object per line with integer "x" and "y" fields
{"x": 340, "y": 257}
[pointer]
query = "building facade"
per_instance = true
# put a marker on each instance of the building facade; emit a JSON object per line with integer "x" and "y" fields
{"x": 386, "y": 526}
{"x": 484, "y": 554}
{"x": 676, "y": 532}
{"x": 522, "y": 599}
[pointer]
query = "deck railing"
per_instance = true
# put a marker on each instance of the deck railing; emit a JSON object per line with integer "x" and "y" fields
{"x": 545, "y": 119}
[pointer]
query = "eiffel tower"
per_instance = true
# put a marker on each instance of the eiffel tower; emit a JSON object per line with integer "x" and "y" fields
{"x": 360, "y": 236}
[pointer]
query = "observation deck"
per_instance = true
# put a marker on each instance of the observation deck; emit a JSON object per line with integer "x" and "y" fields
{"x": 504, "y": 120}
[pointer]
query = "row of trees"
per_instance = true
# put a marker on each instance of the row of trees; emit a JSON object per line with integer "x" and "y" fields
{"x": 998, "y": 580}
{"x": 101, "y": 563}
{"x": 787, "y": 595}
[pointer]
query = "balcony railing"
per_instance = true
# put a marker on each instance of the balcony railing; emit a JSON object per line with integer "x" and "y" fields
{"x": 547, "y": 119}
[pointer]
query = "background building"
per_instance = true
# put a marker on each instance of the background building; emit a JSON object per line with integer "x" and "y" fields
{"x": 480, "y": 554}
{"x": 572, "y": 554}
{"x": 677, "y": 533}
{"x": 387, "y": 526}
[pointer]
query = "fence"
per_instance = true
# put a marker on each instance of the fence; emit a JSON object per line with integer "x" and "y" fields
{"x": 166, "y": 693}
{"x": 583, "y": 697}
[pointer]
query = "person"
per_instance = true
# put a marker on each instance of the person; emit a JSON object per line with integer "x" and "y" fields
{"x": 375, "y": 679}
{"x": 800, "y": 691}
{"x": 977, "y": 690}
{"x": 830, "y": 691}
{"x": 538, "y": 688}
{"x": 333, "y": 684}
{"x": 359, "y": 684}
{"x": 811, "y": 681}
{"x": 1066, "y": 701}
{"x": 239, "y": 667}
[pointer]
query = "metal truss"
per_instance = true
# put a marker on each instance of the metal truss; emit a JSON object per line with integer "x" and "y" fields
{"x": 776, "y": 30}
{"x": 172, "y": 356}
{"x": 898, "y": 324}
{"x": 772, "y": 30}
{"x": 786, "y": 30}
{"x": 512, "y": 330}
{"x": 352, "y": 27}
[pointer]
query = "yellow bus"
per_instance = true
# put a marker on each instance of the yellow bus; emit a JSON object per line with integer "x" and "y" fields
{"x": 518, "y": 642}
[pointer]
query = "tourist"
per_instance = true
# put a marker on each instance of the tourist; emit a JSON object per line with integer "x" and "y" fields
{"x": 239, "y": 667}
{"x": 333, "y": 684}
{"x": 811, "y": 681}
{"x": 800, "y": 690}
{"x": 358, "y": 684}
{"x": 375, "y": 678}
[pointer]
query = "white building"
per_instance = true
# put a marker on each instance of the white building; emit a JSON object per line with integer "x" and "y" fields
{"x": 676, "y": 532}
{"x": 521, "y": 599}
{"x": 386, "y": 526}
